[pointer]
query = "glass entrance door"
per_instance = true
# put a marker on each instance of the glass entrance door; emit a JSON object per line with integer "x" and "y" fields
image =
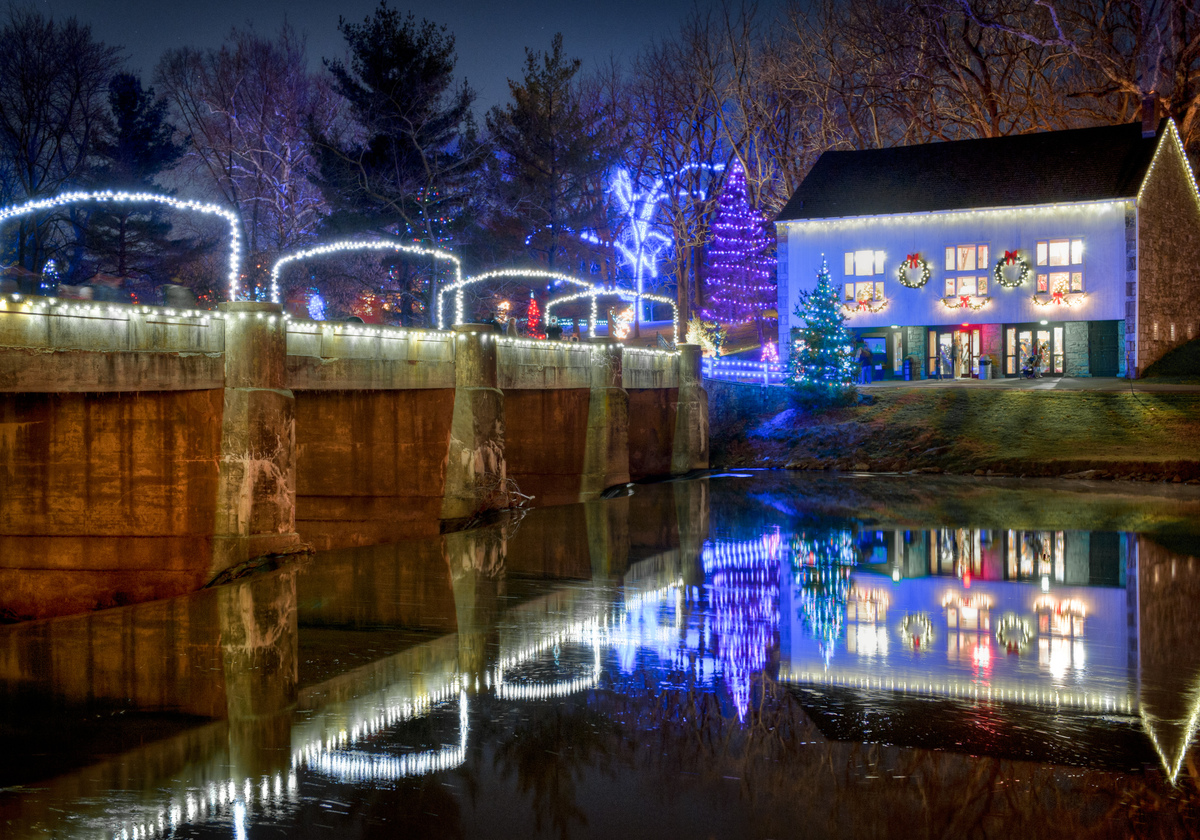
{"x": 966, "y": 343}
{"x": 1039, "y": 348}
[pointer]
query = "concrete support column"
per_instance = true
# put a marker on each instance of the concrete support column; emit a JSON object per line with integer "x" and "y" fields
{"x": 606, "y": 459}
{"x": 476, "y": 473}
{"x": 256, "y": 489}
{"x": 690, "y": 450}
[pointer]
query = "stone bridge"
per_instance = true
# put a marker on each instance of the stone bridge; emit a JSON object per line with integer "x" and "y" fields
{"x": 145, "y": 451}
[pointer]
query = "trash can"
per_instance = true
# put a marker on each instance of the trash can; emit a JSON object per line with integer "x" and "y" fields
{"x": 985, "y": 368}
{"x": 908, "y": 368}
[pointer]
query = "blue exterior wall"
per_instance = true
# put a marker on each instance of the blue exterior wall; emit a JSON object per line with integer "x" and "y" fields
{"x": 1101, "y": 225}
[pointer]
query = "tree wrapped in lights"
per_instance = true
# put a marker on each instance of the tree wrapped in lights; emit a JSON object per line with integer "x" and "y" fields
{"x": 533, "y": 318}
{"x": 740, "y": 268}
{"x": 822, "y": 352}
{"x": 821, "y": 565}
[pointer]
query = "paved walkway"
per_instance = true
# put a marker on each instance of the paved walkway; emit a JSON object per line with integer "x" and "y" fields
{"x": 1049, "y": 383}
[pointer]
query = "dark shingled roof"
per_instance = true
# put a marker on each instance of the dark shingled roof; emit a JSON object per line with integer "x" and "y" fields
{"x": 1082, "y": 164}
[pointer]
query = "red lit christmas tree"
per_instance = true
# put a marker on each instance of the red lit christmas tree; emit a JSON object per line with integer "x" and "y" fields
{"x": 740, "y": 267}
{"x": 534, "y": 318}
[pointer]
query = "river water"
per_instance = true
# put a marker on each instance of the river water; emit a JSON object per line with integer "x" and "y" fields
{"x": 743, "y": 655}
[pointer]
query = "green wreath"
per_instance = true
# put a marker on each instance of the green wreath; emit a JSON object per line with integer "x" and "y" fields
{"x": 1011, "y": 258}
{"x": 902, "y": 272}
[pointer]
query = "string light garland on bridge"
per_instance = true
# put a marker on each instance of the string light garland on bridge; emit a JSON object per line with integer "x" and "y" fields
{"x": 122, "y": 197}
{"x": 347, "y": 245}
{"x": 459, "y": 285}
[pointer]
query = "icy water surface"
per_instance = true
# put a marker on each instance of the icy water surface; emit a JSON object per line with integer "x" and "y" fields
{"x": 743, "y": 655}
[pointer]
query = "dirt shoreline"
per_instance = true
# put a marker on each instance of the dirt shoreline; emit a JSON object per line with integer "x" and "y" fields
{"x": 1150, "y": 437}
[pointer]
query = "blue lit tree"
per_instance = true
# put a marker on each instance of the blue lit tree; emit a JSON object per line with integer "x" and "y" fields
{"x": 822, "y": 351}
{"x": 740, "y": 266}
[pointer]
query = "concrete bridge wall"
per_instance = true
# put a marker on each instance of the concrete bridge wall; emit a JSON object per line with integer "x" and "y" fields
{"x": 144, "y": 451}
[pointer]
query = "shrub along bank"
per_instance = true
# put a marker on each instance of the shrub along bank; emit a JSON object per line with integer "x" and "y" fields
{"x": 1082, "y": 434}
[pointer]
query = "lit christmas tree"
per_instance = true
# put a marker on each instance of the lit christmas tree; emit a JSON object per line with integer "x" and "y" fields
{"x": 822, "y": 352}
{"x": 740, "y": 269}
{"x": 821, "y": 564}
{"x": 743, "y": 585}
{"x": 534, "y": 318}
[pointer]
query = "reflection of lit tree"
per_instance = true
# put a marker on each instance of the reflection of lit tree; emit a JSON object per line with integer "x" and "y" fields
{"x": 821, "y": 563}
{"x": 744, "y": 597}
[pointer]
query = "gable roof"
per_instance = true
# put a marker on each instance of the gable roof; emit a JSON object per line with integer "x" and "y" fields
{"x": 1082, "y": 164}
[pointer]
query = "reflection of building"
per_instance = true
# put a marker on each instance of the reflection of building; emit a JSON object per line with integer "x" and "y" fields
{"x": 1049, "y": 558}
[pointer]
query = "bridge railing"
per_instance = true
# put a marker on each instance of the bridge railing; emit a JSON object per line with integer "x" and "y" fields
{"x": 731, "y": 370}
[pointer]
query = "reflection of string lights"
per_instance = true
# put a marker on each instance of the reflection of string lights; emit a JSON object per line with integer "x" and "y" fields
{"x": 357, "y": 766}
{"x": 992, "y": 690}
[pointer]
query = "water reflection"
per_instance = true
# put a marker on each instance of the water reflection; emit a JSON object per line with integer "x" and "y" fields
{"x": 711, "y": 639}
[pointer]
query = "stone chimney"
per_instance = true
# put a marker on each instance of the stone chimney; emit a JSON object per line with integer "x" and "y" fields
{"x": 1150, "y": 114}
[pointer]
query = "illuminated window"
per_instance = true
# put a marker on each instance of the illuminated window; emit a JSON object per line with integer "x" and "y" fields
{"x": 865, "y": 263}
{"x": 1156, "y": 330}
{"x": 1060, "y": 252}
{"x": 866, "y": 291}
{"x": 878, "y": 290}
{"x": 966, "y": 258}
{"x": 969, "y": 258}
{"x": 849, "y": 291}
{"x": 1172, "y": 332}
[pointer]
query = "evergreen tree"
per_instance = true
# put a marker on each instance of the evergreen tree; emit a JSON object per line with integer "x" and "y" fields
{"x": 553, "y": 153}
{"x": 409, "y": 172}
{"x": 740, "y": 285}
{"x": 533, "y": 318}
{"x": 135, "y": 240}
{"x": 821, "y": 354}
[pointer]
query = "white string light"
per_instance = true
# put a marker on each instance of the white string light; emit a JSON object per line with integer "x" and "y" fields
{"x": 122, "y": 197}
{"x": 624, "y": 294}
{"x": 458, "y": 286}
{"x": 363, "y": 245}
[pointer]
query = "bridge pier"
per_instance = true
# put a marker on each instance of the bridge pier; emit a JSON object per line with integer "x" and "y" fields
{"x": 256, "y": 482}
{"x": 690, "y": 446}
{"x": 476, "y": 473}
{"x": 606, "y": 450}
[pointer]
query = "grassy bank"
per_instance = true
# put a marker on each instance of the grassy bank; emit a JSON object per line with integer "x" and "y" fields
{"x": 1117, "y": 435}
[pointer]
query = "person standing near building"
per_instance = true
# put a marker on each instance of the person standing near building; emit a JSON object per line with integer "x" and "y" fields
{"x": 863, "y": 355}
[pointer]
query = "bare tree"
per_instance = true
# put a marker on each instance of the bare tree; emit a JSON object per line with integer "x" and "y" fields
{"x": 247, "y": 107}
{"x": 53, "y": 113}
{"x": 1133, "y": 48}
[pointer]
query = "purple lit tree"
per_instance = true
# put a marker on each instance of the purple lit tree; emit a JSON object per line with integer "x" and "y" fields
{"x": 740, "y": 285}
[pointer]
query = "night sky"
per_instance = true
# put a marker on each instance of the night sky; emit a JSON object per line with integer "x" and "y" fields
{"x": 490, "y": 36}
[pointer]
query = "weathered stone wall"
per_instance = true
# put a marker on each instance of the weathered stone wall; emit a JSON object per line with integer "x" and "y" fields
{"x": 545, "y": 450}
{"x": 917, "y": 343}
{"x": 370, "y": 465}
{"x": 1075, "y": 340}
{"x": 1168, "y": 254}
{"x": 107, "y": 498}
{"x": 652, "y": 432}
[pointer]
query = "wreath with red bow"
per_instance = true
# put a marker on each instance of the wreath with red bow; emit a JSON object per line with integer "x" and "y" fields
{"x": 911, "y": 263}
{"x": 1011, "y": 258}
